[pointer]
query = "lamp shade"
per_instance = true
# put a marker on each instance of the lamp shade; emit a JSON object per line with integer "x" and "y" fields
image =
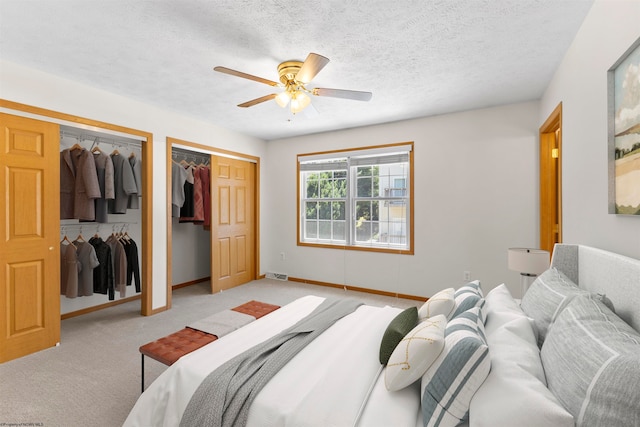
{"x": 528, "y": 261}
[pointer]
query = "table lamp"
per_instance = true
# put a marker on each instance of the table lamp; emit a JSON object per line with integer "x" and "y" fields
{"x": 529, "y": 263}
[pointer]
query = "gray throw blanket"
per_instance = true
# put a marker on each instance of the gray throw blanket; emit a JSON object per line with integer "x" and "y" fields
{"x": 226, "y": 394}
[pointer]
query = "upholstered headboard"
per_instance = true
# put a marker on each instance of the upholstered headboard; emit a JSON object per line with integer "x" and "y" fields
{"x": 616, "y": 276}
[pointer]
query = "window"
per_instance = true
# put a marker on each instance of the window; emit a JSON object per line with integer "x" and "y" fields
{"x": 357, "y": 199}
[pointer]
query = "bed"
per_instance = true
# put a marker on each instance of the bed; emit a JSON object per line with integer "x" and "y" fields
{"x": 465, "y": 357}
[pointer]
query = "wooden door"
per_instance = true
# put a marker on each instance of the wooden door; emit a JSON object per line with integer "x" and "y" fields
{"x": 233, "y": 222}
{"x": 551, "y": 181}
{"x": 29, "y": 236}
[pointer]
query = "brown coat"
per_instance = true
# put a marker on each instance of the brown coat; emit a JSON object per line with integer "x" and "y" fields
{"x": 78, "y": 185}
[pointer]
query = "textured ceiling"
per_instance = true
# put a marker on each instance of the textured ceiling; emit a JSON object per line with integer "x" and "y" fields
{"x": 419, "y": 58}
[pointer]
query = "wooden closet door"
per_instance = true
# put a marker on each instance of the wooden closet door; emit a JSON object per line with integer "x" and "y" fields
{"x": 233, "y": 222}
{"x": 29, "y": 236}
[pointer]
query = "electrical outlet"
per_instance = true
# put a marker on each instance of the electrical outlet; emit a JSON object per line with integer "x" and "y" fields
{"x": 466, "y": 276}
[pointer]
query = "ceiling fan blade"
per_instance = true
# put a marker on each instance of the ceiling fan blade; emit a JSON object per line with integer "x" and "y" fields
{"x": 341, "y": 93}
{"x": 311, "y": 66}
{"x": 310, "y": 111}
{"x": 257, "y": 100}
{"x": 231, "y": 72}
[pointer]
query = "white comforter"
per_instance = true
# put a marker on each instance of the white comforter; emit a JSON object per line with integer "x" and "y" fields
{"x": 329, "y": 383}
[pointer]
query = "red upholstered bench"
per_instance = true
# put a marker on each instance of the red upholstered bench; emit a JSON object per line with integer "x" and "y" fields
{"x": 169, "y": 349}
{"x": 256, "y": 309}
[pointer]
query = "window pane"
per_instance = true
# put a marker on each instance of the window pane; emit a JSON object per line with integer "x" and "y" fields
{"x": 364, "y": 187}
{"x": 311, "y": 209}
{"x": 363, "y": 231}
{"x": 338, "y": 210}
{"x": 325, "y": 186}
{"x": 312, "y": 186}
{"x": 375, "y": 209}
{"x": 339, "y": 231}
{"x": 363, "y": 210}
{"x": 365, "y": 170}
{"x": 375, "y": 231}
{"x": 311, "y": 231}
{"x": 324, "y": 230}
{"x": 324, "y": 210}
{"x": 340, "y": 188}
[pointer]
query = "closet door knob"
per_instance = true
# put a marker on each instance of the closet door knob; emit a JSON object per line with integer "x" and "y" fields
{"x": 51, "y": 248}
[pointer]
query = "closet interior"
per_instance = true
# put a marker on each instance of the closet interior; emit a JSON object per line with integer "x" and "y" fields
{"x": 100, "y": 218}
{"x": 191, "y": 217}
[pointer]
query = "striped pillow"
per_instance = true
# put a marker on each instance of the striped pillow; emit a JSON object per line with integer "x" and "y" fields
{"x": 592, "y": 364}
{"x": 452, "y": 380}
{"x": 466, "y": 297}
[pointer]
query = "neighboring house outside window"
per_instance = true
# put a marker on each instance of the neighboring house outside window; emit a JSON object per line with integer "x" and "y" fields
{"x": 357, "y": 199}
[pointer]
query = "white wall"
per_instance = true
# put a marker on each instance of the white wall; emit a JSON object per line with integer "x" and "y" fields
{"x": 476, "y": 180}
{"x": 32, "y": 87}
{"x": 191, "y": 252}
{"x": 580, "y": 83}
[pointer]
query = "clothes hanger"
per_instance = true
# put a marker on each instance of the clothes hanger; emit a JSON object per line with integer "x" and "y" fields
{"x": 76, "y": 146}
{"x": 132, "y": 155}
{"x": 115, "y": 152}
{"x": 96, "y": 149}
{"x": 80, "y": 238}
{"x": 66, "y": 239}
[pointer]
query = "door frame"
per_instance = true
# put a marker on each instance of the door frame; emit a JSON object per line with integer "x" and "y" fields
{"x": 550, "y": 136}
{"x": 214, "y": 151}
{"x": 29, "y": 111}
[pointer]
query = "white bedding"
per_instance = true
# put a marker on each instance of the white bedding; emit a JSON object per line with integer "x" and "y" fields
{"x": 327, "y": 383}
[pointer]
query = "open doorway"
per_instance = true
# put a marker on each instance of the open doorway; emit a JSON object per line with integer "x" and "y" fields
{"x": 551, "y": 180}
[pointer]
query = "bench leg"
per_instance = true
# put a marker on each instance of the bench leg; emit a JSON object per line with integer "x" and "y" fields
{"x": 142, "y": 370}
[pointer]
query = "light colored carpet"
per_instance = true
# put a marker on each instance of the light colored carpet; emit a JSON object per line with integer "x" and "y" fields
{"x": 93, "y": 377}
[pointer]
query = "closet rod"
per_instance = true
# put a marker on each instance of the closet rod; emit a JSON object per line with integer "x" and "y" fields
{"x": 192, "y": 155}
{"x": 100, "y": 139}
{"x": 97, "y": 224}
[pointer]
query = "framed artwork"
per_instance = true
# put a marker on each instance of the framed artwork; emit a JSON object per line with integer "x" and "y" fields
{"x": 624, "y": 133}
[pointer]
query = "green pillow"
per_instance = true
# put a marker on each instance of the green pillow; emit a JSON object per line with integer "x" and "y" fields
{"x": 400, "y": 326}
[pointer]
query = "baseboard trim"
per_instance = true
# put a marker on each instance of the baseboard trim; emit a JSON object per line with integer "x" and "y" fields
{"x": 357, "y": 289}
{"x": 98, "y": 307}
{"x": 189, "y": 283}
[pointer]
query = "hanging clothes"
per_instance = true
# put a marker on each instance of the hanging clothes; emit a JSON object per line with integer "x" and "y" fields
{"x": 70, "y": 268}
{"x": 198, "y": 203}
{"x": 133, "y": 263}
{"x": 103, "y": 280}
{"x": 119, "y": 261}
{"x": 124, "y": 183}
{"x": 187, "y": 209}
{"x": 136, "y": 167}
{"x": 178, "y": 178}
{"x": 104, "y": 169}
{"x": 78, "y": 184}
{"x": 88, "y": 260}
{"x": 205, "y": 175}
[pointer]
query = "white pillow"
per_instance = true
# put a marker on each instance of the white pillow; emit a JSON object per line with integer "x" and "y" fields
{"x": 441, "y": 303}
{"x": 415, "y": 353}
{"x": 500, "y": 307}
{"x": 515, "y": 391}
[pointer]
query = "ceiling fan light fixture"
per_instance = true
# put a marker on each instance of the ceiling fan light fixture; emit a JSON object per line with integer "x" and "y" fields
{"x": 299, "y": 102}
{"x": 282, "y": 99}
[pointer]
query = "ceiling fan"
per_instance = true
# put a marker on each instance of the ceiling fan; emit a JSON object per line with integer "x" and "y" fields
{"x": 294, "y": 76}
